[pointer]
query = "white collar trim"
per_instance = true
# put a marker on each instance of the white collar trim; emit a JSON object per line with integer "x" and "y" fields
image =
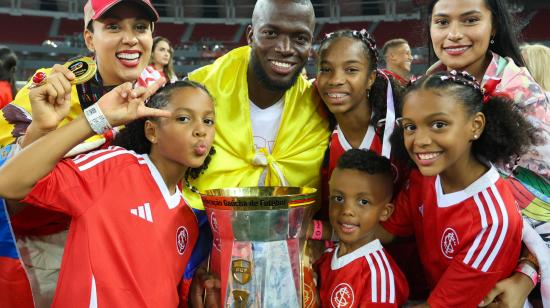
{"x": 365, "y": 144}
{"x": 171, "y": 200}
{"x": 339, "y": 262}
{"x": 445, "y": 200}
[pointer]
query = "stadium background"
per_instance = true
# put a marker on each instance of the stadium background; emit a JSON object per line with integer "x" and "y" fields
{"x": 45, "y": 32}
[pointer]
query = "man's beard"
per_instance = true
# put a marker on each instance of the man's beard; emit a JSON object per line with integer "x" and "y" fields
{"x": 267, "y": 82}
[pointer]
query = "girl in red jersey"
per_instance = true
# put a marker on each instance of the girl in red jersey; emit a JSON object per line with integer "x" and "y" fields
{"x": 462, "y": 213}
{"x": 118, "y": 33}
{"x": 360, "y": 98}
{"x": 131, "y": 234}
{"x": 480, "y": 37}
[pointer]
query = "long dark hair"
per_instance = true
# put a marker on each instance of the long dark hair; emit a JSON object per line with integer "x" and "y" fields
{"x": 506, "y": 39}
{"x": 378, "y": 92}
{"x": 132, "y": 137}
{"x": 8, "y": 63}
{"x": 167, "y": 69}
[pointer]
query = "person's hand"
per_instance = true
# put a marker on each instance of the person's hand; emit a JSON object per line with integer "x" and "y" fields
{"x": 124, "y": 103}
{"x": 51, "y": 100}
{"x": 207, "y": 285}
{"x": 509, "y": 292}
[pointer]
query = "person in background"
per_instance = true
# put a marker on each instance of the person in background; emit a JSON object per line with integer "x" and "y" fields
{"x": 8, "y": 63}
{"x": 161, "y": 63}
{"x": 398, "y": 58}
{"x": 537, "y": 59}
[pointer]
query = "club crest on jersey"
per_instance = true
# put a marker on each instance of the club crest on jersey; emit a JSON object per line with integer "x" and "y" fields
{"x": 449, "y": 241}
{"x": 182, "y": 237}
{"x": 342, "y": 296}
{"x": 308, "y": 295}
{"x": 215, "y": 232}
{"x": 242, "y": 270}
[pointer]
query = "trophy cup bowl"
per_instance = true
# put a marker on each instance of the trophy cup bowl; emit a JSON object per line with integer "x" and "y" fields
{"x": 258, "y": 240}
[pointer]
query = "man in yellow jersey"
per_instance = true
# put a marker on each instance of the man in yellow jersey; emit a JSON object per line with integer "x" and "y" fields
{"x": 270, "y": 127}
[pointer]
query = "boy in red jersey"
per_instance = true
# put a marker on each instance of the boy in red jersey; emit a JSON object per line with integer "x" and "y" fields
{"x": 358, "y": 272}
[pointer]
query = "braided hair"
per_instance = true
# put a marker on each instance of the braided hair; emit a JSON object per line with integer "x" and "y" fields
{"x": 507, "y": 134}
{"x": 377, "y": 97}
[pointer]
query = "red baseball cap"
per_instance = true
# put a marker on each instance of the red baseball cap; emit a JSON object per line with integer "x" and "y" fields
{"x": 94, "y": 9}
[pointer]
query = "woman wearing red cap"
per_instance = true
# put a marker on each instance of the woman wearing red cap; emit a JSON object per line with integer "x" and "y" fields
{"x": 119, "y": 35}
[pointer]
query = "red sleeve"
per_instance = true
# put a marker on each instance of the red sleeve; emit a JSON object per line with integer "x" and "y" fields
{"x": 401, "y": 222}
{"x": 462, "y": 286}
{"x": 74, "y": 184}
{"x": 5, "y": 98}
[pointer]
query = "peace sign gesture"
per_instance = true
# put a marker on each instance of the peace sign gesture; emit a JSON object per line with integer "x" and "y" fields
{"x": 124, "y": 104}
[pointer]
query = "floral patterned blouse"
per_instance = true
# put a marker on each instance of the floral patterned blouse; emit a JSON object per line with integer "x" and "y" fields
{"x": 530, "y": 98}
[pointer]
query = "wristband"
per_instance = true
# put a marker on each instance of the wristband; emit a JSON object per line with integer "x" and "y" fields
{"x": 317, "y": 230}
{"x": 97, "y": 120}
{"x": 529, "y": 271}
{"x": 531, "y": 259}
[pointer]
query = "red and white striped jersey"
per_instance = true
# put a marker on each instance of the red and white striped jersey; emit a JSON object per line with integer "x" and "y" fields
{"x": 366, "y": 277}
{"x": 468, "y": 240}
{"x": 129, "y": 239}
{"x": 339, "y": 145}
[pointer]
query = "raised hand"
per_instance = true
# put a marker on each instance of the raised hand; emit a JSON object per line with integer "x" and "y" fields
{"x": 124, "y": 104}
{"x": 51, "y": 100}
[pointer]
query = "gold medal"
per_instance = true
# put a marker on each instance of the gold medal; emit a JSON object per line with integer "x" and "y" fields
{"x": 83, "y": 68}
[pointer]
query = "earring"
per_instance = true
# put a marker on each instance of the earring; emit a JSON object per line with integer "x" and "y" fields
{"x": 475, "y": 137}
{"x": 492, "y": 41}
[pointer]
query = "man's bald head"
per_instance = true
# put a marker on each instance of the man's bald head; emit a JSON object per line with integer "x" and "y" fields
{"x": 280, "y": 37}
{"x": 264, "y": 8}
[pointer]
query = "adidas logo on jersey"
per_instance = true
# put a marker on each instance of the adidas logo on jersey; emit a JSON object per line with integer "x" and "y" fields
{"x": 143, "y": 211}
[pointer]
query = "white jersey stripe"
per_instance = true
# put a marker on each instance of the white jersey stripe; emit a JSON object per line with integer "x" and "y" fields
{"x": 391, "y": 278}
{"x": 373, "y": 279}
{"x": 148, "y": 214}
{"x": 93, "y": 294}
{"x": 81, "y": 158}
{"x": 503, "y": 231}
{"x": 479, "y": 236}
{"x": 99, "y": 153}
{"x": 141, "y": 212}
{"x": 490, "y": 239}
{"x": 383, "y": 297}
{"x": 100, "y": 159}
